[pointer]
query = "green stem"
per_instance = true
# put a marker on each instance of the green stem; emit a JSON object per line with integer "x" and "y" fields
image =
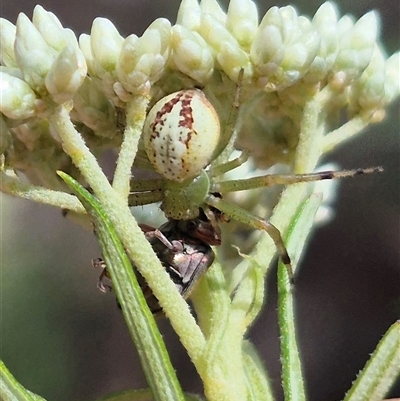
{"x": 135, "y": 117}
{"x": 134, "y": 241}
{"x": 12, "y": 185}
{"x": 345, "y": 132}
{"x": 221, "y": 364}
{"x": 312, "y": 128}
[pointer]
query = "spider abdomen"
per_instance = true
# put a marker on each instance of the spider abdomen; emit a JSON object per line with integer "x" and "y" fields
{"x": 181, "y": 133}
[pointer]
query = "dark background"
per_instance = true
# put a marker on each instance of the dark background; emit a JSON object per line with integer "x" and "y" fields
{"x": 66, "y": 341}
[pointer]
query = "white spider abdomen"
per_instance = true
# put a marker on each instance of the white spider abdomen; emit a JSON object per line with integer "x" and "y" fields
{"x": 181, "y": 133}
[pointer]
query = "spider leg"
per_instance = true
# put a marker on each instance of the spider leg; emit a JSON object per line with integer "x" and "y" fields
{"x": 144, "y": 185}
{"x": 285, "y": 179}
{"x": 230, "y": 165}
{"x": 145, "y": 198}
{"x": 245, "y": 217}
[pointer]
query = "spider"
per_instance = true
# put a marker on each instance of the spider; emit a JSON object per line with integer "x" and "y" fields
{"x": 183, "y": 247}
{"x": 181, "y": 134}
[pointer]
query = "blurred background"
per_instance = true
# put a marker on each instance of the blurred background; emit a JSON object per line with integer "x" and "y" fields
{"x": 65, "y": 340}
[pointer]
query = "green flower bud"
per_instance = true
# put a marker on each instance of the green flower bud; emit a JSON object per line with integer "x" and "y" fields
{"x": 17, "y": 99}
{"x": 66, "y": 74}
{"x": 142, "y": 60}
{"x": 34, "y": 57}
{"x": 191, "y": 54}
{"x": 7, "y": 39}
{"x": 356, "y": 45}
{"x": 392, "y": 81}
{"x": 242, "y": 21}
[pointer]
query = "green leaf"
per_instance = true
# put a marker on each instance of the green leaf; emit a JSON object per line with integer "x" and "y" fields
{"x": 154, "y": 357}
{"x": 11, "y": 390}
{"x": 381, "y": 371}
{"x": 292, "y": 376}
{"x": 259, "y": 386}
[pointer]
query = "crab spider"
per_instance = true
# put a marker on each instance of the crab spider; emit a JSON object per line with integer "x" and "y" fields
{"x": 181, "y": 133}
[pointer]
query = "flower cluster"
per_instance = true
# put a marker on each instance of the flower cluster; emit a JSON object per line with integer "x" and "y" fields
{"x": 287, "y": 59}
{"x": 64, "y": 100}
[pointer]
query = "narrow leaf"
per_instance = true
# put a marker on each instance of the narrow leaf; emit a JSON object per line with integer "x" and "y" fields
{"x": 11, "y": 390}
{"x": 292, "y": 376}
{"x": 154, "y": 357}
{"x": 381, "y": 371}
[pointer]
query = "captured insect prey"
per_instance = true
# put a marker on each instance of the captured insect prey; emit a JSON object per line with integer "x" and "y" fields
{"x": 180, "y": 137}
{"x": 183, "y": 247}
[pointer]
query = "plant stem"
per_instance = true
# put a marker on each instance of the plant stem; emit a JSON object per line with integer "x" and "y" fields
{"x": 132, "y": 237}
{"x": 12, "y": 185}
{"x": 135, "y": 117}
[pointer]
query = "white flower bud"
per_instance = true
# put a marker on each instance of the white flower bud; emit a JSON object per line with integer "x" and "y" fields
{"x": 242, "y": 21}
{"x": 51, "y": 29}
{"x": 267, "y": 50}
{"x": 225, "y": 47}
{"x": 233, "y": 59}
{"x": 392, "y": 81}
{"x": 14, "y": 72}
{"x": 94, "y": 109}
{"x": 369, "y": 89}
{"x": 191, "y": 54}
{"x": 33, "y": 55}
{"x": 356, "y": 45}
{"x": 7, "y": 39}
{"x": 85, "y": 45}
{"x": 213, "y": 8}
{"x": 142, "y": 60}
{"x": 325, "y": 22}
{"x": 299, "y": 44}
{"x": 106, "y": 43}
{"x": 189, "y": 15}
{"x": 66, "y": 75}
{"x": 17, "y": 99}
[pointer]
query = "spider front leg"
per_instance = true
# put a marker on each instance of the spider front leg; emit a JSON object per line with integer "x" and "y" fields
{"x": 286, "y": 179}
{"x": 243, "y": 216}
